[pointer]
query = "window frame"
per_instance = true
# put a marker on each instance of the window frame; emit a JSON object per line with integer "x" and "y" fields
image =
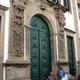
{"x": 55, "y": 1}
{"x": 70, "y": 33}
{"x": 71, "y": 55}
{"x": 67, "y": 4}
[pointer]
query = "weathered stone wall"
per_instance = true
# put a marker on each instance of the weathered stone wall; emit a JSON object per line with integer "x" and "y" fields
{"x": 17, "y": 73}
{"x": 18, "y": 63}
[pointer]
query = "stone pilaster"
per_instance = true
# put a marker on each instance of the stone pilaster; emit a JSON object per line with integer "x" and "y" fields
{"x": 16, "y": 66}
{"x": 60, "y": 30}
{"x": 16, "y": 39}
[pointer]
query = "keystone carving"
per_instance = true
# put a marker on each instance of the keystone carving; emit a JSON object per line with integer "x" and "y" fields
{"x": 43, "y": 6}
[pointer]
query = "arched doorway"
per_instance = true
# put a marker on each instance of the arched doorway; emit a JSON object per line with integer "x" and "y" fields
{"x": 40, "y": 49}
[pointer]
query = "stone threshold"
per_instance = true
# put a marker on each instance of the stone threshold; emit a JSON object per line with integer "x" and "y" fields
{"x": 16, "y": 63}
{"x": 62, "y": 63}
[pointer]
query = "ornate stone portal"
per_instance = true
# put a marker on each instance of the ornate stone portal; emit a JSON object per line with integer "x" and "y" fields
{"x": 16, "y": 67}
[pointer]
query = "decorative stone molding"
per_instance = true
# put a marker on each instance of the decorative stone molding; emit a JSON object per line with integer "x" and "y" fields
{"x": 61, "y": 23}
{"x": 19, "y": 3}
{"x": 4, "y": 8}
{"x": 17, "y": 28}
{"x": 43, "y": 6}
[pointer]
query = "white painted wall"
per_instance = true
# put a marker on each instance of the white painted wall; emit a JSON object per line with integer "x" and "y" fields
{"x": 70, "y": 17}
{"x": 69, "y": 21}
{"x": 6, "y": 35}
{"x": 6, "y": 3}
{"x": 78, "y": 11}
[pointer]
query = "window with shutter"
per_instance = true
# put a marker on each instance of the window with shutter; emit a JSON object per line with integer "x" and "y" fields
{"x": 55, "y": 1}
{"x": 67, "y": 4}
{"x": 71, "y": 56}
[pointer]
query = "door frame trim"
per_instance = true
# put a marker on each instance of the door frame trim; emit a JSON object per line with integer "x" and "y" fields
{"x": 53, "y": 39}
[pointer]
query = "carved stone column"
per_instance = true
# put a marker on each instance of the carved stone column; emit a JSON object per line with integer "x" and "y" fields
{"x": 60, "y": 29}
{"x": 16, "y": 39}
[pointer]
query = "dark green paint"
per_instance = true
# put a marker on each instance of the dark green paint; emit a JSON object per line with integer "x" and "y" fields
{"x": 71, "y": 56}
{"x": 40, "y": 49}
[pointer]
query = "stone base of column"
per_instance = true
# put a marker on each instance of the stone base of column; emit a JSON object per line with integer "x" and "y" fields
{"x": 17, "y": 70}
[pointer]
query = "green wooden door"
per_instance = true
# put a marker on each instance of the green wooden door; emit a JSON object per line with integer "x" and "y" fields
{"x": 71, "y": 56}
{"x": 40, "y": 49}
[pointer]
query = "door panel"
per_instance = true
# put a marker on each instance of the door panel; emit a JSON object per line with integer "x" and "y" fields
{"x": 45, "y": 64}
{"x": 34, "y": 55}
{"x": 40, "y": 49}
